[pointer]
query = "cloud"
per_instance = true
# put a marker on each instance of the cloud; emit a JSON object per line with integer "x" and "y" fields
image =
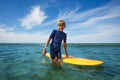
{"x": 4, "y": 27}
{"x": 91, "y": 17}
{"x": 110, "y": 9}
{"x": 12, "y": 37}
{"x": 2, "y": 30}
{"x": 62, "y": 15}
{"x": 7, "y": 35}
{"x": 34, "y": 18}
{"x": 98, "y": 25}
{"x": 88, "y": 17}
{"x": 103, "y": 36}
{"x": 68, "y": 14}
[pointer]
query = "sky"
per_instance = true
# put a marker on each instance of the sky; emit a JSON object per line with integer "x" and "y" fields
{"x": 87, "y": 21}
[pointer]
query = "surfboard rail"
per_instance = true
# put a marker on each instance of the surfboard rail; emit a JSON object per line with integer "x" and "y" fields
{"x": 79, "y": 61}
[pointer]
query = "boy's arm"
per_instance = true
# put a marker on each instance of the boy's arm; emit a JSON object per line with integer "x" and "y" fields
{"x": 44, "y": 50}
{"x": 65, "y": 47}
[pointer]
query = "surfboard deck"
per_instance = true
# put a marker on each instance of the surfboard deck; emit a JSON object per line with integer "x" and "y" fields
{"x": 79, "y": 61}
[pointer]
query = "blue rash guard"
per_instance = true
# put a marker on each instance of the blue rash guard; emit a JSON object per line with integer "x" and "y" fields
{"x": 55, "y": 46}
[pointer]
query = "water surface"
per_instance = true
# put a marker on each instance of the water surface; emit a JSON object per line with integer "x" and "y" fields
{"x": 25, "y": 62}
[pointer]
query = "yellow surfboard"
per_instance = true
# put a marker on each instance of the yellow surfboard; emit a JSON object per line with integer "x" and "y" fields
{"x": 79, "y": 61}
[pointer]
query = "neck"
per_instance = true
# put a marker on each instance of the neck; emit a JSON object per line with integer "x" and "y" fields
{"x": 61, "y": 30}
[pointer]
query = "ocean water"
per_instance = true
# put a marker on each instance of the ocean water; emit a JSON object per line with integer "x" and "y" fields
{"x": 25, "y": 62}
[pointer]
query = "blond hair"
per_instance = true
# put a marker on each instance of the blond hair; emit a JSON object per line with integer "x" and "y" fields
{"x": 61, "y": 22}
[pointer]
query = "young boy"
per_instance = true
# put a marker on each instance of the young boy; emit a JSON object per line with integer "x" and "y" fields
{"x": 57, "y": 36}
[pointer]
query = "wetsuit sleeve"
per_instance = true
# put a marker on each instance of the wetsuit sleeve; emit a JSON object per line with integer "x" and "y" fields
{"x": 52, "y": 34}
{"x": 65, "y": 39}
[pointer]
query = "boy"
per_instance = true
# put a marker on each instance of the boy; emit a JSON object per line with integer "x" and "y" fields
{"x": 57, "y": 36}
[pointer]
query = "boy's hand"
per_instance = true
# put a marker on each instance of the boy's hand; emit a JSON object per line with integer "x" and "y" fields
{"x": 44, "y": 51}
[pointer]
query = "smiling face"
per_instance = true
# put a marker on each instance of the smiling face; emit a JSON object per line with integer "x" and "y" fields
{"x": 61, "y": 25}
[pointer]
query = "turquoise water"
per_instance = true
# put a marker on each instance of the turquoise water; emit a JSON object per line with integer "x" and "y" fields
{"x": 25, "y": 62}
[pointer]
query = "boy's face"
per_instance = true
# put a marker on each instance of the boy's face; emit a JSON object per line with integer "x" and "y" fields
{"x": 61, "y": 27}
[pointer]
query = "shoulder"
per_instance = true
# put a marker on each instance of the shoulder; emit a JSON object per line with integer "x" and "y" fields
{"x": 64, "y": 33}
{"x": 54, "y": 31}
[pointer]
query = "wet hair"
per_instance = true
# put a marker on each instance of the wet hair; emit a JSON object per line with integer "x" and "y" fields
{"x": 61, "y": 22}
